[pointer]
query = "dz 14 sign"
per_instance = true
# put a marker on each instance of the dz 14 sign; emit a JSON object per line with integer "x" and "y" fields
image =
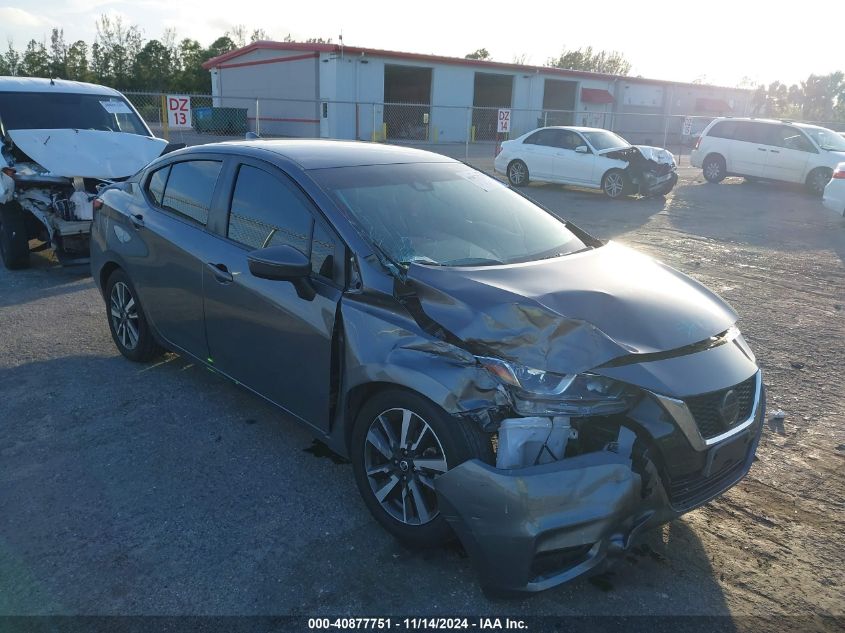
{"x": 504, "y": 119}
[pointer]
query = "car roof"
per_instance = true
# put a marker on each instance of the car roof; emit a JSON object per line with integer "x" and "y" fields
{"x": 326, "y": 153}
{"x": 39, "y": 84}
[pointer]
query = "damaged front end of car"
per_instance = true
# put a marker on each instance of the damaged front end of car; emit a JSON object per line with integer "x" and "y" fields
{"x": 651, "y": 171}
{"x": 610, "y": 409}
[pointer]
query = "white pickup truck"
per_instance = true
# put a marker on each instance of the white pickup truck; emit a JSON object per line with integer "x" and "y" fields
{"x": 61, "y": 141}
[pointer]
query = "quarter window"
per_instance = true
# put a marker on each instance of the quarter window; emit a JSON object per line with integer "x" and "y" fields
{"x": 266, "y": 212}
{"x": 324, "y": 252}
{"x": 190, "y": 188}
{"x": 157, "y": 182}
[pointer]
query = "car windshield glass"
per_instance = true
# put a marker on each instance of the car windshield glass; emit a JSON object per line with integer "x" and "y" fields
{"x": 602, "y": 139}
{"x": 445, "y": 214}
{"x": 61, "y": 110}
{"x": 826, "y": 139}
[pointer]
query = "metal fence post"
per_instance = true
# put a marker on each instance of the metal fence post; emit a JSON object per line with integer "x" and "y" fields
{"x": 468, "y": 132}
{"x": 257, "y": 119}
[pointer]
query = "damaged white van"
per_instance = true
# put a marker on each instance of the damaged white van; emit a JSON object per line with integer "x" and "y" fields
{"x": 61, "y": 141}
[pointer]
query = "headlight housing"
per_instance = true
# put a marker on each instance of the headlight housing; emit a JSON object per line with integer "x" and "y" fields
{"x": 537, "y": 392}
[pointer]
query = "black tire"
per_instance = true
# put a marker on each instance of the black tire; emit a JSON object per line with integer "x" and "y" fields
{"x": 457, "y": 441}
{"x": 615, "y": 184}
{"x": 123, "y": 316}
{"x": 14, "y": 241}
{"x": 517, "y": 173}
{"x": 817, "y": 180}
{"x": 714, "y": 169}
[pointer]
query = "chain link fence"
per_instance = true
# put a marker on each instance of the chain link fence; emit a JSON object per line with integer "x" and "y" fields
{"x": 462, "y": 132}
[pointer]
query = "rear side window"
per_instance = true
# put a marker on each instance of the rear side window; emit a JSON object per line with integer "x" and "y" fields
{"x": 190, "y": 187}
{"x": 723, "y": 129}
{"x": 542, "y": 137}
{"x": 752, "y": 132}
{"x": 156, "y": 184}
{"x": 266, "y": 212}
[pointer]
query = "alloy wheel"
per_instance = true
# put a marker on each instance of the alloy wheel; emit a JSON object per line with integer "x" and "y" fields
{"x": 712, "y": 170}
{"x": 517, "y": 173}
{"x": 124, "y": 315}
{"x": 818, "y": 182}
{"x": 402, "y": 456}
{"x": 614, "y": 184}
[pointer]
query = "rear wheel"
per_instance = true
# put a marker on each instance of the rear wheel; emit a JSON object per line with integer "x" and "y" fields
{"x": 714, "y": 168}
{"x": 518, "y": 173}
{"x": 128, "y": 326}
{"x": 402, "y": 442}
{"x": 614, "y": 183}
{"x": 14, "y": 242}
{"x": 817, "y": 180}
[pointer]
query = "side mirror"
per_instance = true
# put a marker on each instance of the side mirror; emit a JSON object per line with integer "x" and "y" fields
{"x": 582, "y": 149}
{"x": 283, "y": 263}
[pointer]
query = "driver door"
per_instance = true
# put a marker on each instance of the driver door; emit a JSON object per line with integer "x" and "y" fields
{"x": 260, "y": 332}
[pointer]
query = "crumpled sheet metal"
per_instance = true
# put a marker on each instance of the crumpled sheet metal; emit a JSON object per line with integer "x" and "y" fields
{"x": 612, "y": 302}
{"x": 383, "y": 344}
{"x": 7, "y": 188}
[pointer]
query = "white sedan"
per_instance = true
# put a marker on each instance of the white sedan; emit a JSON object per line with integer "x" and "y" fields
{"x": 834, "y": 192}
{"x": 587, "y": 157}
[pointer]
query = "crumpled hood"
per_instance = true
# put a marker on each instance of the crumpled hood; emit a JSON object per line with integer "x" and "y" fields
{"x": 656, "y": 154}
{"x": 572, "y": 313}
{"x": 88, "y": 153}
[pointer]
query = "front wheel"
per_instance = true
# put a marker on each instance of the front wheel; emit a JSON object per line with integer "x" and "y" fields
{"x": 518, "y": 173}
{"x": 127, "y": 323}
{"x": 614, "y": 183}
{"x": 14, "y": 241}
{"x": 400, "y": 444}
{"x": 817, "y": 180}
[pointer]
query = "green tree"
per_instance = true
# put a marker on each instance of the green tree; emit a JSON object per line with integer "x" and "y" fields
{"x": 152, "y": 67}
{"x": 58, "y": 54}
{"x": 192, "y": 78}
{"x": 11, "y": 60}
{"x": 35, "y": 61}
{"x": 77, "y": 61}
{"x": 607, "y": 62}
{"x": 480, "y": 53}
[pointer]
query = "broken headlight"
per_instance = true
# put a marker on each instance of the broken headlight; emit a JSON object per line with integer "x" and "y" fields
{"x": 537, "y": 392}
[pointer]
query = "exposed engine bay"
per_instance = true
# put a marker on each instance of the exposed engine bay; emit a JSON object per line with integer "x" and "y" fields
{"x": 651, "y": 170}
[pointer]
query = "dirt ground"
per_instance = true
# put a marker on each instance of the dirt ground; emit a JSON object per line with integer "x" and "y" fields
{"x": 166, "y": 490}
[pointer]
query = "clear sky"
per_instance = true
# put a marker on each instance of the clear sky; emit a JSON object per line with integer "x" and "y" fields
{"x": 718, "y": 42}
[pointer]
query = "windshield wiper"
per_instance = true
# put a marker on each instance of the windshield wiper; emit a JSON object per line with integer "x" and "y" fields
{"x": 474, "y": 261}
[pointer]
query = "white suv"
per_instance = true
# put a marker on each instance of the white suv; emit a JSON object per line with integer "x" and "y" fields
{"x": 773, "y": 150}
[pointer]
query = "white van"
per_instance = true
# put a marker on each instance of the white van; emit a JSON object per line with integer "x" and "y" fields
{"x": 769, "y": 149}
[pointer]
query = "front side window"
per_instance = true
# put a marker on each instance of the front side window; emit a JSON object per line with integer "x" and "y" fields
{"x": 190, "y": 188}
{"x": 266, "y": 212}
{"x": 790, "y": 138}
{"x": 445, "y": 214}
{"x": 569, "y": 140}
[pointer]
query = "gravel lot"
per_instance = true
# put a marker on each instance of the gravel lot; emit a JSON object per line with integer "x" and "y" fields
{"x": 164, "y": 489}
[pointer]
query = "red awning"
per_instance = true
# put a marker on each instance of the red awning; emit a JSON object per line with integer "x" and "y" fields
{"x": 595, "y": 95}
{"x": 712, "y": 105}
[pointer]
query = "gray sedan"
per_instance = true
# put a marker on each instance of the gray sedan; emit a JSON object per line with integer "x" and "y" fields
{"x": 493, "y": 372}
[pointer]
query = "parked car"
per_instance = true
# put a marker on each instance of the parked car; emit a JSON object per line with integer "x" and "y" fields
{"x": 487, "y": 367}
{"x": 61, "y": 140}
{"x": 588, "y": 157}
{"x": 768, "y": 149}
{"x": 834, "y": 192}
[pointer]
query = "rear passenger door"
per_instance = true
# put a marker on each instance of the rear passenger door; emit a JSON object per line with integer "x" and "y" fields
{"x": 166, "y": 263}
{"x": 749, "y": 152}
{"x": 260, "y": 332}
{"x": 789, "y": 151}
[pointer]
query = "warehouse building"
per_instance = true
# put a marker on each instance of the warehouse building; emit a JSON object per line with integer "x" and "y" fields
{"x": 332, "y": 91}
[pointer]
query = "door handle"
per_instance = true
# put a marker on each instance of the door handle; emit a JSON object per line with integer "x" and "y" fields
{"x": 137, "y": 220}
{"x": 775, "y": 151}
{"x": 761, "y": 149}
{"x": 220, "y": 272}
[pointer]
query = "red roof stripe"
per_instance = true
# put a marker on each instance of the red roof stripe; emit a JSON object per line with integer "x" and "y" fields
{"x": 274, "y": 60}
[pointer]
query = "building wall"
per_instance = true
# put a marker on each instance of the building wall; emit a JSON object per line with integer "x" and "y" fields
{"x": 284, "y": 82}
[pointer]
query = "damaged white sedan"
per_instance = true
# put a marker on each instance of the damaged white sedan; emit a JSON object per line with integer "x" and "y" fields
{"x": 587, "y": 157}
{"x": 61, "y": 141}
